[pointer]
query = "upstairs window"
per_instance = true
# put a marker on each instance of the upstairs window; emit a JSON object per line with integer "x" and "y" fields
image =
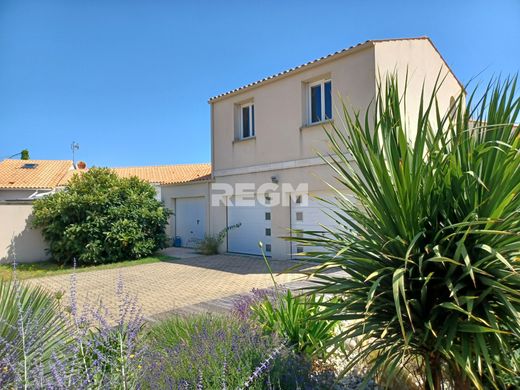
{"x": 320, "y": 101}
{"x": 247, "y": 120}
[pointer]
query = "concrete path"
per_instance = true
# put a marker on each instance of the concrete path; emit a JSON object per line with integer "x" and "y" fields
{"x": 189, "y": 284}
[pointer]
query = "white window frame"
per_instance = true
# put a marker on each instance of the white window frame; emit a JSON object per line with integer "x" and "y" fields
{"x": 321, "y": 83}
{"x": 252, "y": 132}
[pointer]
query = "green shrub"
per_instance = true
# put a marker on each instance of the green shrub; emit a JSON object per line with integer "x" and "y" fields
{"x": 210, "y": 243}
{"x": 431, "y": 252}
{"x": 296, "y": 319}
{"x": 102, "y": 218}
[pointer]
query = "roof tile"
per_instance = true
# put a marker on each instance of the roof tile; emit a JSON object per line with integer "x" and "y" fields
{"x": 46, "y": 174}
{"x": 168, "y": 174}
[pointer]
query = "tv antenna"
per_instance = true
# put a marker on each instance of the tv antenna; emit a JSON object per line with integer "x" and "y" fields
{"x": 74, "y": 146}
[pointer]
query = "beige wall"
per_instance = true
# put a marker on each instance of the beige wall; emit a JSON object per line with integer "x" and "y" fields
{"x": 280, "y": 113}
{"x": 17, "y": 239}
{"x": 285, "y": 148}
{"x": 419, "y": 64}
{"x": 172, "y": 192}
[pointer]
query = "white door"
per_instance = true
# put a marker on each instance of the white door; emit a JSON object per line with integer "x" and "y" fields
{"x": 311, "y": 214}
{"x": 190, "y": 223}
{"x": 254, "y": 218}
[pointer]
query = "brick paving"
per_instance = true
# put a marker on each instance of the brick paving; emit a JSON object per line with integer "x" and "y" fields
{"x": 191, "y": 283}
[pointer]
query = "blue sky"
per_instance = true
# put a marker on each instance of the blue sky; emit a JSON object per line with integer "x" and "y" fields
{"x": 129, "y": 80}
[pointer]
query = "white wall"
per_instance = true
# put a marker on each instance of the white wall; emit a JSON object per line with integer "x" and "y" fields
{"x": 17, "y": 239}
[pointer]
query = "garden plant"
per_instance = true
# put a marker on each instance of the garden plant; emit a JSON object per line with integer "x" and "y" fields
{"x": 430, "y": 251}
{"x": 101, "y": 218}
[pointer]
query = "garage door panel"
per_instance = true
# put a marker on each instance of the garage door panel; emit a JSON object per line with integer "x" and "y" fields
{"x": 190, "y": 224}
{"x": 254, "y": 221}
{"x": 313, "y": 216}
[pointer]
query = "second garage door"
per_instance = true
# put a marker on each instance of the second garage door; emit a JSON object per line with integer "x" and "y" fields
{"x": 190, "y": 219}
{"x": 311, "y": 216}
{"x": 255, "y": 226}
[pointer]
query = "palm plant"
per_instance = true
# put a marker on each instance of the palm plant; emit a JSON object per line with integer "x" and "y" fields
{"x": 31, "y": 333}
{"x": 430, "y": 251}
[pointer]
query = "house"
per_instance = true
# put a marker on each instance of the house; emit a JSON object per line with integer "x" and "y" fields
{"x": 267, "y": 134}
{"x": 29, "y": 179}
{"x": 265, "y": 140}
{"x": 183, "y": 188}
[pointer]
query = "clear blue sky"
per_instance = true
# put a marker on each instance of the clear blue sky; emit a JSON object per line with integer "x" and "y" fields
{"x": 130, "y": 79}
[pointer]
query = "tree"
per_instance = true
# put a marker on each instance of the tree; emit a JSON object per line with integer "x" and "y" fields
{"x": 24, "y": 155}
{"x": 102, "y": 218}
{"x": 431, "y": 252}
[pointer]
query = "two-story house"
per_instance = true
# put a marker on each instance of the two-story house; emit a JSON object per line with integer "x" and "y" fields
{"x": 269, "y": 133}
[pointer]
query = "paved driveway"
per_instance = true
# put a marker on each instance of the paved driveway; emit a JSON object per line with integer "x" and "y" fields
{"x": 189, "y": 284}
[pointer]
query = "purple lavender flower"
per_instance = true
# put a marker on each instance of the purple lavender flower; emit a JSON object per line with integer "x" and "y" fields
{"x": 263, "y": 367}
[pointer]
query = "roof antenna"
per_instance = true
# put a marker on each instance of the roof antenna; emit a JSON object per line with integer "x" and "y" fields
{"x": 74, "y": 146}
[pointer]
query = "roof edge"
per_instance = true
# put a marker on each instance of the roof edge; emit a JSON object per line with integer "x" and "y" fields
{"x": 293, "y": 70}
{"x": 324, "y": 59}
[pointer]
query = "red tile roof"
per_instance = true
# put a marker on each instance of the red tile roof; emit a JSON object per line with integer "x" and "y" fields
{"x": 168, "y": 174}
{"x": 49, "y": 174}
{"x": 32, "y": 174}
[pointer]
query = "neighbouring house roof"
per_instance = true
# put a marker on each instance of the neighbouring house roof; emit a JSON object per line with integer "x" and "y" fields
{"x": 33, "y": 174}
{"x": 49, "y": 174}
{"x": 327, "y": 57}
{"x": 168, "y": 174}
{"x": 160, "y": 174}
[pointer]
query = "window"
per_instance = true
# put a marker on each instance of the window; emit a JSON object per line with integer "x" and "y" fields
{"x": 320, "y": 101}
{"x": 268, "y": 232}
{"x": 268, "y": 216}
{"x": 247, "y": 120}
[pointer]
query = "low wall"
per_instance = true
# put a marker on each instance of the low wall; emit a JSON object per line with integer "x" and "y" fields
{"x": 18, "y": 240}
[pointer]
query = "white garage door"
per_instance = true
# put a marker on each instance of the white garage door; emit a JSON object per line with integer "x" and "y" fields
{"x": 190, "y": 223}
{"x": 255, "y": 220}
{"x": 311, "y": 217}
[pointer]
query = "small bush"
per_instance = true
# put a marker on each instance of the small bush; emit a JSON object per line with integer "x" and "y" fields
{"x": 294, "y": 318}
{"x": 210, "y": 243}
{"x": 102, "y": 218}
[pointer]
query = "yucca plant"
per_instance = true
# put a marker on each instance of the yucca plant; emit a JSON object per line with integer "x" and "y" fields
{"x": 430, "y": 250}
{"x": 31, "y": 333}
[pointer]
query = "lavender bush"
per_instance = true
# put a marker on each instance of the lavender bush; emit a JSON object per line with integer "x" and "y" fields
{"x": 46, "y": 345}
{"x": 47, "y": 342}
{"x": 242, "y": 307}
{"x": 204, "y": 351}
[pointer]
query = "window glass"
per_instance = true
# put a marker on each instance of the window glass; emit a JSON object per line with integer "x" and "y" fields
{"x": 328, "y": 100}
{"x": 245, "y": 122}
{"x": 252, "y": 120}
{"x": 316, "y": 103}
